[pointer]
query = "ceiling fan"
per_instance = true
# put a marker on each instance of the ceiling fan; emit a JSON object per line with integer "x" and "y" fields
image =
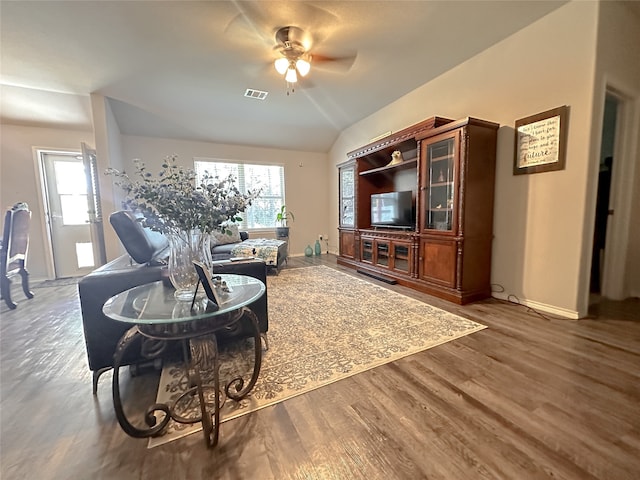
{"x": 295, "y": 58}
{"x": 293, "y": 46}
{"x": 296, "y": 48}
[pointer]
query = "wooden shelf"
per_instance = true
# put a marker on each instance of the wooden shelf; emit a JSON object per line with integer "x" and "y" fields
{"x": 442, "y": 159}
{"x": 455, "y": 170}
{"x": 411, "y": 163}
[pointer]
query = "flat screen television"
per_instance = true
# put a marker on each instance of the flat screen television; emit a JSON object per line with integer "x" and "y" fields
{"x": 392, "y": 209}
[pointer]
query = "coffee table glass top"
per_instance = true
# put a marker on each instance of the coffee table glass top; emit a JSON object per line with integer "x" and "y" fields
{"x": 154, "y": 303}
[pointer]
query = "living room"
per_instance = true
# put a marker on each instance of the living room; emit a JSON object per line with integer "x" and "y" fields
{"x": 543, "y": 223}
{"x": 526, "y": 245}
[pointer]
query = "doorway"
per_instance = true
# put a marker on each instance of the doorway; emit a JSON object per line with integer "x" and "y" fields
{"x": 66, "y": 209}
{"x": 618, "y": 269}
{"x": 604, "y": 194}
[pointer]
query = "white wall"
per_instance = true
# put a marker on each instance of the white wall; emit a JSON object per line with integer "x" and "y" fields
{"x": 109, "y": 154}
{"x": 538, "y": 218}
{"x": 19, "y": 180}
{"x": 305, "y": 176}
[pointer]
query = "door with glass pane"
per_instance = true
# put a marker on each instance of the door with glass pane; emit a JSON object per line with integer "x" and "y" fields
{"x": 347, "y": 214}
{"x": 401, "y": 256}
{"x": 67, "y": 212}
{"x": 439, "y": 182}
{"x": 347, "y": 195}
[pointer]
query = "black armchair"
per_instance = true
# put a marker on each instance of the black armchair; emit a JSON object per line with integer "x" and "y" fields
{"x": 13, "y": 251}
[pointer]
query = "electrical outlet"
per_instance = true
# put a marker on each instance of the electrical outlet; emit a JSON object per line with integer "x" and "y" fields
{"x": 320, "y": 237}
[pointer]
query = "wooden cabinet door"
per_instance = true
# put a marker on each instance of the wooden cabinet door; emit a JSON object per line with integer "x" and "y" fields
{"x": 366, "y": 249}
{"x": 439, "y": 174}
{"x": 347, "y": 244}
{"x": 438, "y": 261}
{"x": 347, "y": 196}
{"x": 382, "y": 256}
{"x": 401, "y": 257}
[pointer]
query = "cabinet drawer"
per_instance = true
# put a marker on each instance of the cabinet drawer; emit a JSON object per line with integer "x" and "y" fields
{"x": 438, "y": 261}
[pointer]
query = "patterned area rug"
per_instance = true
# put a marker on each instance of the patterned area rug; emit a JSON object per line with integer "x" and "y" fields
{"x": 324, "y": 326}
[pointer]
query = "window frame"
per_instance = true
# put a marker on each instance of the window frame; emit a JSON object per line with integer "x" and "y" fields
{"x": 241, "y": 164}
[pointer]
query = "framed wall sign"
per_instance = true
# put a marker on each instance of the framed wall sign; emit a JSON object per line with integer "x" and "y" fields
{"x": 541, "y": 142}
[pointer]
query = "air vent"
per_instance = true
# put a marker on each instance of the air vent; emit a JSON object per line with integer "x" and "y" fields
{"x": 257, "y": 94}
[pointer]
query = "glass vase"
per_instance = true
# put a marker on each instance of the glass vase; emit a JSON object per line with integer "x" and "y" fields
{"x": 185, "y": 247}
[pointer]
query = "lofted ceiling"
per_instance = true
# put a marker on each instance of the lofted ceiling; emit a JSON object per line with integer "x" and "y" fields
{"x": 179, "y": 69}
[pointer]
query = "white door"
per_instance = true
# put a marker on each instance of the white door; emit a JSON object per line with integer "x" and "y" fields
{"x": 93, "y": 199}
{"x": 68, "y": 215}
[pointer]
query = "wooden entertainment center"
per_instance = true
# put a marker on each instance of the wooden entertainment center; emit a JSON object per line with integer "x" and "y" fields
{"x": 449, "y": 166}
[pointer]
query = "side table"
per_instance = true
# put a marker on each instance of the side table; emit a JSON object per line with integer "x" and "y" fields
{"x": 156, "y": 315}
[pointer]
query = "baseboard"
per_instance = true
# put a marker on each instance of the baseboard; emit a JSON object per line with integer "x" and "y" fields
{"x": 543, "y": 307}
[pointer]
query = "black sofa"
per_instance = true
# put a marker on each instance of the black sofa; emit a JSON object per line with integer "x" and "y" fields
{"x": 144, "y": 264}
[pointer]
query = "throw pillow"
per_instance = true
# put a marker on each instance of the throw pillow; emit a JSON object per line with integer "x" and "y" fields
{"x": 222, "y": 238}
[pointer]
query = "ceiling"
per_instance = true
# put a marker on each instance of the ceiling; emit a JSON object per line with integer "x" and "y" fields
{"x": 179, "y": 69}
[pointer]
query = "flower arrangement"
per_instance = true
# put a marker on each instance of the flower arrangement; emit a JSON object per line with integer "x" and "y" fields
{"x": 172, "y": 202}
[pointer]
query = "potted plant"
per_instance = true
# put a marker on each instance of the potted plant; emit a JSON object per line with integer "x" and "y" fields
{"x": 282, "y": 218}
{"x": 173, "y": 203}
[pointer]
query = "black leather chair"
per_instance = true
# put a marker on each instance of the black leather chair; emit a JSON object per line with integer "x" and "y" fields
{"x": 102, "y": 334}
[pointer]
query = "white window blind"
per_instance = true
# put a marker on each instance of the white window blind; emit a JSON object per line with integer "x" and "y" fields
{"x": 251, "y": 177}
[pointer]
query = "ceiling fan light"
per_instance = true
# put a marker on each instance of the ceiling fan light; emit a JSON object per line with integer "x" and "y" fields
{"x": 291, "y": 75}
{"x": 303, "y": 67}
{"x": 281, "y": 65}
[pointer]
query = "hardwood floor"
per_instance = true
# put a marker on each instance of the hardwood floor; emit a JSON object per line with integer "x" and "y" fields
{"x": 528, "y": 397}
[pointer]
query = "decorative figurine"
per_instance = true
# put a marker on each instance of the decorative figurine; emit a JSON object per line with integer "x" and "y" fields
{"x": 396, "y": 157}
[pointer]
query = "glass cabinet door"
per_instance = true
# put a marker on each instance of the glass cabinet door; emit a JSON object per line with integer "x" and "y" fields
{"x": 366, "y": 252}
{"x": 439, "y": 202}
{"x": 347, "y": 196}
{"x": 382, "y": 253}
{"x": 401, "y": 257}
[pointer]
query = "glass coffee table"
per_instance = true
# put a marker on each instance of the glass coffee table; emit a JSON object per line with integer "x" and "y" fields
{"x": 158, "y": 318}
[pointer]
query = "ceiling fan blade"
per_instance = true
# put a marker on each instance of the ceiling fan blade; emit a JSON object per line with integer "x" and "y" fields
{"x": 250, "y": 23}
{"x": 264, "y": 19}
{"x": 341, "y": 63}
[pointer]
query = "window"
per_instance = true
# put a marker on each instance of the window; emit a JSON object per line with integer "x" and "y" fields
{"x": 249, "y": 177}
{"x": 72, "y": 189}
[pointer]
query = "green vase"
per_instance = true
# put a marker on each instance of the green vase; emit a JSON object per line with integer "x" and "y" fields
{"x": 318, "y": 247}
{"x": 308, "y": 251}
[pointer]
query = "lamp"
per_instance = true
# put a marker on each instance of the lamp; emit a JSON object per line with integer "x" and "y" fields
{"x": 303, "y": 67}
{"x": 281, "y": 65}
{"x": 291, "y": 65}
{"x": 291, "y": 76}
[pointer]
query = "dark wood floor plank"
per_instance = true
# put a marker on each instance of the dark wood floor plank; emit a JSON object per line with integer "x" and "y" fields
{"x": 499, "y": 413}
{"x": 432, "y": 428}
{"x": 491, "y": 423}
{"x": 542, "y": 369}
